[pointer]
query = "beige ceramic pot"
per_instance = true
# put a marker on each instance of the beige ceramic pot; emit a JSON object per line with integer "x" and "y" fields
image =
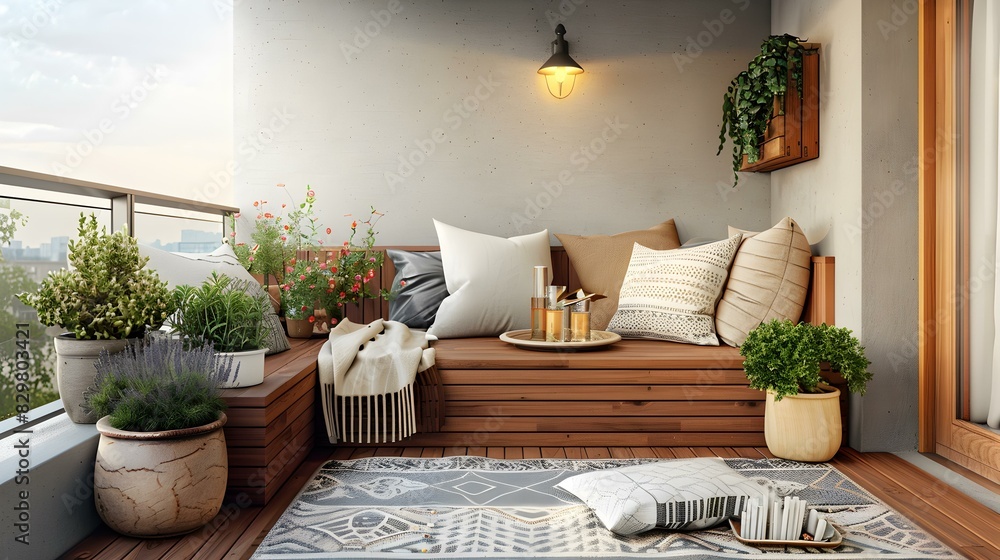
{"x": 804, "y": 427}
{"x": 158, "y": 484}
{"x": 75, "y": 371}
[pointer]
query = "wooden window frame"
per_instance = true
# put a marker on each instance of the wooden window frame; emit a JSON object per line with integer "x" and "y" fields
{"x": 943, "y": 238}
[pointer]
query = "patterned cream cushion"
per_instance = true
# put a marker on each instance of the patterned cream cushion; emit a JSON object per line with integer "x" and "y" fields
{"x": 600, "y": 261}
{"x": 769, "y": 280}
{"x": 671, "y": 295}
{"x": 489, "y": 281}
{"x": 687, "y": 494}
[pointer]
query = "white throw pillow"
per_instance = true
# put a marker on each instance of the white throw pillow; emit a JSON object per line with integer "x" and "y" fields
{"x": 671, "y": 295}
{"x": 689, "y": 494}
{"x": 192, "y": 269}
{"x": 489, "y": 281}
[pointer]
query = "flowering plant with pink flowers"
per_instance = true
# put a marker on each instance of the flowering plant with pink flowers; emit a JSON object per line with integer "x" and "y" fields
{"x": 306, "y": 283}
{"x": 356, "y": 262}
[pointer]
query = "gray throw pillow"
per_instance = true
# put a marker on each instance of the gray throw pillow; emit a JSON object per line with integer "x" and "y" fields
{"x": 418, "y": 288}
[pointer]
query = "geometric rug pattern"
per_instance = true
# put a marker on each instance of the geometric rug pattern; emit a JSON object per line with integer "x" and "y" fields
{"x": 476, "y": 507}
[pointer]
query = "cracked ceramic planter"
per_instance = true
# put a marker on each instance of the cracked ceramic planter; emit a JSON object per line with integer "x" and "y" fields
{"x": 159, "y": 484}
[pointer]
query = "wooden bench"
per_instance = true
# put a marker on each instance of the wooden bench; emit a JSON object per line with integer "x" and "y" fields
{"x": 271, "y": 427}
{"x": 635, "y": 393}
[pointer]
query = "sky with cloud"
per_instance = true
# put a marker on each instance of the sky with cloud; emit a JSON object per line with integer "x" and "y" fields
{"x": 135, "y": 93}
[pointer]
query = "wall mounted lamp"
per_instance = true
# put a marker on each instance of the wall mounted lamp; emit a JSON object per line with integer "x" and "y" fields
{"x": 560, "y": 69}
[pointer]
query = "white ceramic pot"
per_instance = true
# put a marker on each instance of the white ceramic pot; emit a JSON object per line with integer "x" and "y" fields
{"x": 251, "y": 368}
{"x": 75, "y": 371}
{"x": 158, "y": 484}
{"x": 804, "y": 427}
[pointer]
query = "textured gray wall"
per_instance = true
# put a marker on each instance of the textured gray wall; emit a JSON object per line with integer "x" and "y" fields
{"x": 859, "y": 199}
{"x": 435, "y": 110}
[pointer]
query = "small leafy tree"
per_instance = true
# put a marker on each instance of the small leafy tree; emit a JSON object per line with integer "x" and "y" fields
{"x": 786, "y": 358}
{"x": 109, "y": 294}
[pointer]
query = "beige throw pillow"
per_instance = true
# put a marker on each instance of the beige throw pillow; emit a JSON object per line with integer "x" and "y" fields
{"x": 671, "y": 295}
{"x": 769, "y": 280}
{"x": 600, "y": 261}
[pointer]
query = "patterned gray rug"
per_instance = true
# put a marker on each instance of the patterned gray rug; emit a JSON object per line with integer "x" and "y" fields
{"x": 473, "y": 507}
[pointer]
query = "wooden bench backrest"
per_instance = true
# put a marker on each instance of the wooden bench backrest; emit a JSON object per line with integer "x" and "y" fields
{"x": 819, "y": 304}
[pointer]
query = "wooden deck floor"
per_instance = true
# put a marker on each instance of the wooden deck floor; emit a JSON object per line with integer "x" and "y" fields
{"x": 957, "y": 520}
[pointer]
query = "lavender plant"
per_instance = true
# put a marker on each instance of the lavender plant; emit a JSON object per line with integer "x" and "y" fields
{"x": 160, "y": 383}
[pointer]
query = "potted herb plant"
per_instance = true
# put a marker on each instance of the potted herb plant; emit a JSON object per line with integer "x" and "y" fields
{"x": 106, "y": 298}
{"x": 748, "y": 103}
{"x": 161, "y": 465}
{"x": 802, "y": 415}
{"x": 223, "y": 312}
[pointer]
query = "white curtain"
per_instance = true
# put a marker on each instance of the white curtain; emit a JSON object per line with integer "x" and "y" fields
{"x": 984, "y": 308}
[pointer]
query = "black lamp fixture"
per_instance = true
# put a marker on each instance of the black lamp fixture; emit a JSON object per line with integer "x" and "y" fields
{"x": 560, "y": 69}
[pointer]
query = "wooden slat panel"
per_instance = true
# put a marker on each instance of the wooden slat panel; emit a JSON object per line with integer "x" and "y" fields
{"x": 264, "y": 416}
{"x": 262, "y": 456}
{"x": 611, "y": 425}
{"x": 247, "y": 479}
{"x": 594, "y": 376}
{"x": 455, "y": 393}
{"x": 254, "y": 436}
{"x": 494, "y": 354}
{"x": 279, "y": 449}
{"x": 501, "y": 409}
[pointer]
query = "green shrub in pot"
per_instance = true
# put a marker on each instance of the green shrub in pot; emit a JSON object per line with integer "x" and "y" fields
{"x": 105, "y": 298}
{"x": 225, "y": 313}
{"x": 802, "y": 418}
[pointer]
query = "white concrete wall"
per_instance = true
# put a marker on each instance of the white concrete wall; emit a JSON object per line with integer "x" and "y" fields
{"x": 859, "y": 199}
{"x": 824, "y": 195}
{"x": 348, "y": 96}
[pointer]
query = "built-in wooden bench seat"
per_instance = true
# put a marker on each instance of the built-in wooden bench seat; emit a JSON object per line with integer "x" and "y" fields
{"x": 271, "y": 426}
{"x": 637, "y": 392}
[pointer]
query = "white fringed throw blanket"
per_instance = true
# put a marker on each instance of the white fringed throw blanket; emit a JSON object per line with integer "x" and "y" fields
{"x": 366, "y": 375}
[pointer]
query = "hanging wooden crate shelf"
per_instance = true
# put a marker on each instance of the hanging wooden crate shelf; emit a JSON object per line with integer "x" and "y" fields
{"x": 793, "y": 132}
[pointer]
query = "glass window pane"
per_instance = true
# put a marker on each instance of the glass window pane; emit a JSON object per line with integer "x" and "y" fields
{"x": 179, "y": 235}
{"x": 33, "y": 242}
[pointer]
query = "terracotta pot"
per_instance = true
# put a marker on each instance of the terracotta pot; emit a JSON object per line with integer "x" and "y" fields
{"x": 251, "y": 368}
{"x": 299, "y": 328}
{"x": 75, "y": 371}
{"x": 804, "y": 427}
{"x": 158, "y": 484}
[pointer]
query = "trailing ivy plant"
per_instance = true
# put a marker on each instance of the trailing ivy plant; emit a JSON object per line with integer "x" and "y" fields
{"x": 748, "y": 102}
{"x": 786, "y": 358}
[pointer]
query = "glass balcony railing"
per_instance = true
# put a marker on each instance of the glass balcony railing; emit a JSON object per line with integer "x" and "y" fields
{"x": 39, "y": 214}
